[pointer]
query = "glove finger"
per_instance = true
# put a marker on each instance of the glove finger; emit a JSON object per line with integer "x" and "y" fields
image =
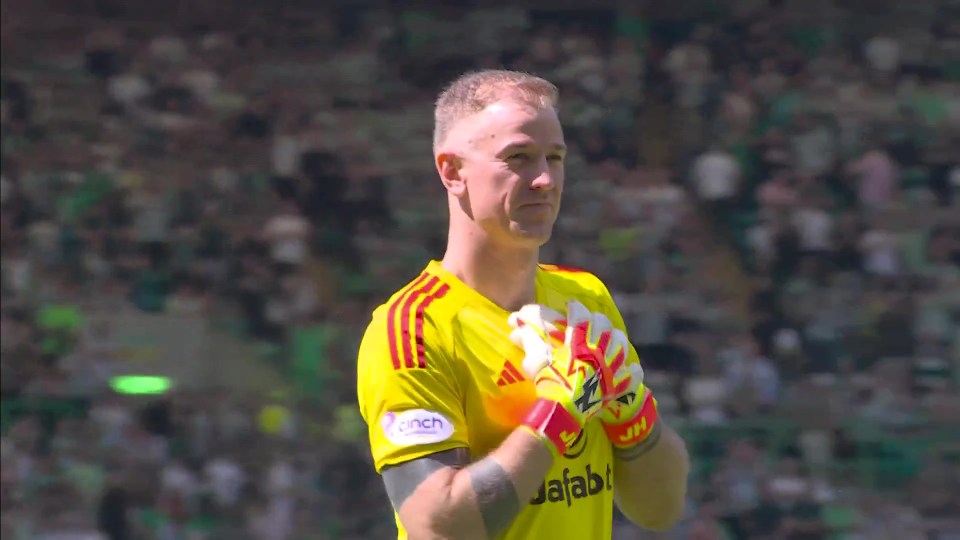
{"x": 632, "y": 373}
{"x": 618, "y": 341}
{"x": 577, "y": 314}
{"x": 599, "y": 325}
{"x": 616, "y": 359}
{"x": 629, "y": 384}
{"x": 516, "y": 336}
{"x": 636, "y": 374}
{"x": 535, "y": 314}
{"x": 533, "y": 364}
{"x": 542, "y": 318}
{"x": 556, "y": 323}
{"x": 623, "y": 375}
{"x": 529, "y": 340}
{"x": 578, "y": 322}
{"x": 538, "y": 352}
{"x": 559, "y": 334}
{"x": 622, "y": 389}
{"x": 628, "y": 378}
{"x": 551, "y": 315}
{"x": 616, "y": 349}
{"x": 525, "y": 315}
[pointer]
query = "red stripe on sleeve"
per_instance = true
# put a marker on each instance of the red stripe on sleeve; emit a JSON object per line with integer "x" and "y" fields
{"x": 408, "y": 343}
{"x": 392, "y": 319}
{"x": 418, "y": 329}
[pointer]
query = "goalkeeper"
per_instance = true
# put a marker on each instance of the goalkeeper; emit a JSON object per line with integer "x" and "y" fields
{"x": 502, "y": 398}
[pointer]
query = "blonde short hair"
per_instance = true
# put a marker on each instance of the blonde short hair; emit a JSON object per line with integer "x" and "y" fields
{"x": 475, "y": 91}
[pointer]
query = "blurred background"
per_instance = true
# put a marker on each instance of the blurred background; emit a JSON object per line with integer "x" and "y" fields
{"x": 202, "y": 202}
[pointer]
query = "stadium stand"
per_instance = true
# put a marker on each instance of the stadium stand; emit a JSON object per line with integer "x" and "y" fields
{"x": 771, "y": 187}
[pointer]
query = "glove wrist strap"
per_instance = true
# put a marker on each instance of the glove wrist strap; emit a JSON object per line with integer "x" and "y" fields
{"x": 554, "y": 422}
{"x": 637, "y": 428}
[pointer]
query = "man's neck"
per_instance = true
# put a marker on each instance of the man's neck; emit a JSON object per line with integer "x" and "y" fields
{"x": 506, "y": 277}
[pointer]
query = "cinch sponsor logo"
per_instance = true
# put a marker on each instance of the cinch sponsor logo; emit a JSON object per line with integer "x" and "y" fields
{"x": 416, "y": 426}
{"x": 571, "y": 487}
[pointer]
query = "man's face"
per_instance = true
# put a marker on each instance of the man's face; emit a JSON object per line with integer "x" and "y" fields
{"x": 509, "y": 174}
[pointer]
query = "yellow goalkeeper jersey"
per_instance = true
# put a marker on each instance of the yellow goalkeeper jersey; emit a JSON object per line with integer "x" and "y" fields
{"x": 437, "y": 371}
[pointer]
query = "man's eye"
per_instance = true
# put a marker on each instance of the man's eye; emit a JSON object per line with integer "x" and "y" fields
{"x": 555, "y": 158}
{"x": 517, "y": 157}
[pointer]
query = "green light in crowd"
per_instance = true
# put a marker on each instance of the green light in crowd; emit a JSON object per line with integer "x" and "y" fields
{"x": 140, "y": 384}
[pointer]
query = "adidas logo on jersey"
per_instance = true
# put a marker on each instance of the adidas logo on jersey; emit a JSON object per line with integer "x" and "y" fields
{"x": 509, "y": 375}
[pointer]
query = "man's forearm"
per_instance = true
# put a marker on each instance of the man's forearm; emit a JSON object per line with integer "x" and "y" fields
{"x": 482, "y": 499}
{"x": 651, "y": 479}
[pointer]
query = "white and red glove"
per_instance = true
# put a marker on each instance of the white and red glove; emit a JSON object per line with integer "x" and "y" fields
{"x": 631, "y": 415}
{"x": 578, "y": 370}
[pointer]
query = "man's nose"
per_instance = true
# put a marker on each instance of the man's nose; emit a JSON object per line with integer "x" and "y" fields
{"x": 546, "y": 177}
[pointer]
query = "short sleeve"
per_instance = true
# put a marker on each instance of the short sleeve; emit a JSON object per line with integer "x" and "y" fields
{"x": 408, "y": 392}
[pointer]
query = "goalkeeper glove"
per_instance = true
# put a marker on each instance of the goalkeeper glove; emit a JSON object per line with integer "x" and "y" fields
{"x": 631, "y": 417}
{"x": 574, "y": 379}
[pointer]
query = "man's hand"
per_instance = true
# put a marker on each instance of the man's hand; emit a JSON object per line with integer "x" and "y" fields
{"x": 576, "y": 378}
{"x": 631, "y": 416}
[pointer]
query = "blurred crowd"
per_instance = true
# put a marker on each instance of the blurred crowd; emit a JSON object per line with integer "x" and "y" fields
{"x": 771, "y": 190}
